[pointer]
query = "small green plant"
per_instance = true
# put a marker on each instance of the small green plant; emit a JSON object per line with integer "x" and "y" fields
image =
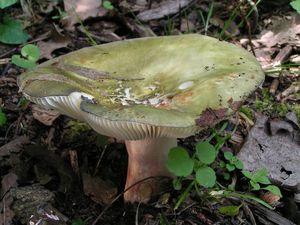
{"x": 29, "y": 55}
{"x": 206, "y": 20}
{"x": 230, "y": 210}
{"x": 232, "y": 162}
{"x": 198, "y": 168}
{"x": 2, "y": 118}
{"x": 11, "y": 31}
{"x": 7, "y": 3}
{"x": 259, "y": 178}
{"x": 76, "y": 129}
{"x": 182, "y": 165}
{"x": 296, "y": 5}
{"x": 61, "y": 14}
{"x": 78, "y": 221}
{"x": 107, "y": 5}
{"x": 169, "y": 27}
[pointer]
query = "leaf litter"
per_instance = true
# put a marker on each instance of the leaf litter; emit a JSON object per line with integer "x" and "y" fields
{"x": 277, "y": 44}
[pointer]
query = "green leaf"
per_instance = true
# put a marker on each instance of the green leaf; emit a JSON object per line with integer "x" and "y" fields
{"x": 247, "y": 174}
{"x": 255, "y": 186}
{"x": 296, "y": 5}
{"x": 177, "y": 184}
{"x": 261, "y": 176}
{"x": 222, "y": 164}
{"x": 179, "y": 162}
{"x": 31, "y": 52}
{"x": 230, "y": 167}
{"x": 107, "y": 5}
{"x": 246, "y": 196}
{"x": 206, "y": 176}
{"x": 226, "y": 176}
{"x": 238, "y": 164}
{"x": 6, "y": 3}
{"x": 230, "y": 210}
{"x": 11, "y": 32}
{"x": 274, "y": 189}
{"x": 228, "y": 155}
{"x": 206, "y": 152}
{"x": 78, "y": 221}
{"x": 24, "y": 63}
{"x": 3, "y": 118}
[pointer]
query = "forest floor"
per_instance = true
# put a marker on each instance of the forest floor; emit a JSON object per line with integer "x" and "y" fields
{"x": 55, "y": 170}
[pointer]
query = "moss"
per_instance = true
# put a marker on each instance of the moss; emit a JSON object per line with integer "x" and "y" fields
{"x": 247, "y": 111}
{"x": 296, "y": 109}
{"x": 271, "y": 107}
{"x": 76, "y": 129}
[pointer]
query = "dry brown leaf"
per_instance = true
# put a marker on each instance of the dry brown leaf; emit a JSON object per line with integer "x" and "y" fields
{"x": 8, "y": 181}
{"x": 15, "y": 146}
{"x": 278, "y": 152}
{"x": 264, "y": 56}
{"x": 231, "y": 31}
{"x": 282, "y": 31}
{"x": 57, "y": 40}
{"x": 47, "y": 47}
{"x": 165, "y": 8}
{"x": 48, "y": 215}
{"x": 81, "y": 10}
{"x": 45, "y": 116}
{"x": 270, "y": 198}
{"x": 98, "y": 190}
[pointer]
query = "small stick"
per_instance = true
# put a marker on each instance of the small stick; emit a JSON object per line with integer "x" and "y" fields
{"x": 137, "y": 215}
{"x": 274, "y": 86}
{"x": 74, "y": 162}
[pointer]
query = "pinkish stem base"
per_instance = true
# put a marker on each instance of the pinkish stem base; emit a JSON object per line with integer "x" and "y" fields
{"x": 146, "y": 158}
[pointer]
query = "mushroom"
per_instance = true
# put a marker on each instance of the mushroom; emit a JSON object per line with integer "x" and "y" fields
{"x": 147, "y": 91}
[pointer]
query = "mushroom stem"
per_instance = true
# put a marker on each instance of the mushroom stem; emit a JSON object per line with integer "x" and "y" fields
{"x": 146, "y": 158}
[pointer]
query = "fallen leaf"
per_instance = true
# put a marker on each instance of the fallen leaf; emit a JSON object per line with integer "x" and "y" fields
{"x": 278, "y": 153}
{"x": 282, "y": 31}
{"x": 57, "y": 41}
{"x": 82, "y": 9}
{"x": 47, "y": 47}
{"x": 264, "y": 56}
{"x": 279, "y": 125}
{"x": 291, "y": 116}
{"x": 231, "y": 31}
{"x": 45, "y": 116}
{"x": 166, "y": 8}
{"x": 14, "y": 146}
{"x": 47, "y": 214}
{"x": 270, "y": 198}
{"x": 292, "y": 89}
{"x": 98, "y": 190}
{"x": 28, "y": 199}
{"x": 8, "y": 181}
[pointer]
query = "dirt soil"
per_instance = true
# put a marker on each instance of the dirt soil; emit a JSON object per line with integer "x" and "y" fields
{"x": 55, "y": 170}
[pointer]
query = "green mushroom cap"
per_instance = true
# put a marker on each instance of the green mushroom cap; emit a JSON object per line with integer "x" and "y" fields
{"x": 168, "y": 86}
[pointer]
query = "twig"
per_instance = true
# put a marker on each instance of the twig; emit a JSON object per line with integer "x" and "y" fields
{"x": 100, "y": 159}
{"x": 137, "y": 214}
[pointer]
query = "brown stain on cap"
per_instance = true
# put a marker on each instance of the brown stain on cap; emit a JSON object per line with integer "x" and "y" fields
{"x": 210, "y": 117}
